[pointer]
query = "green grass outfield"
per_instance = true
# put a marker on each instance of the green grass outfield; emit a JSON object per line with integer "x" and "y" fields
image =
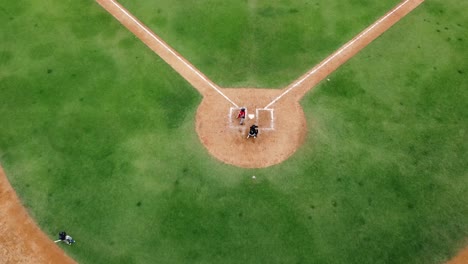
{"x": 97, "y": 136}
{"x": 257, "y": 43}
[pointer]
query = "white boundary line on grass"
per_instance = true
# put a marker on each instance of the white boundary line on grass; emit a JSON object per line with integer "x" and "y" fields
{"x": 338, "y": 52}
{"x": 172, "y": 51}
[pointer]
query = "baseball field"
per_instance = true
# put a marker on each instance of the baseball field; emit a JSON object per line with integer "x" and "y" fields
{"x": 101, "y": 137}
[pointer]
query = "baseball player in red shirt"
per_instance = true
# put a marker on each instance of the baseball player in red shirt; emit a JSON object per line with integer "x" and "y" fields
{"x": 241, "y": 116}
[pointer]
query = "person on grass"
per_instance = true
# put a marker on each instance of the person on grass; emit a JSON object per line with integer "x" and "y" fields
{"x": 66, "y": 238}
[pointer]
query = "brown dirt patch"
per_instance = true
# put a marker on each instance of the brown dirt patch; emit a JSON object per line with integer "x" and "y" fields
{"x": 461, "y": 258}
{"x": 21, "y": 240}
{"x": 227, "y": 141}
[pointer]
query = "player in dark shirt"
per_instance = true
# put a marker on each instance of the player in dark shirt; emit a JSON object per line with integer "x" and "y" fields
{"x": 62, "y": 235}
{"x": 65, "y": 238}
{"x": 253, "y": 132}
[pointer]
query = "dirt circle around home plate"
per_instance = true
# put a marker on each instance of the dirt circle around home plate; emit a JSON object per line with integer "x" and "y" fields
{"x": 282, "y": 128}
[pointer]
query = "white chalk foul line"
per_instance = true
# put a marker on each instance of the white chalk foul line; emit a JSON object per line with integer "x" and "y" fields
{"x": 118, "y": 5}
{"x": 325, "y": 62}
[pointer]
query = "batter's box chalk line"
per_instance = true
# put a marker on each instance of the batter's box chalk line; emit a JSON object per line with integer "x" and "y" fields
{"x": 234, "y": 110}
{"x": 272, "y": 118}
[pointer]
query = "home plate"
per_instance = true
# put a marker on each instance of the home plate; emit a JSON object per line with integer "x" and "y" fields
{"x": 251, "y": 116}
